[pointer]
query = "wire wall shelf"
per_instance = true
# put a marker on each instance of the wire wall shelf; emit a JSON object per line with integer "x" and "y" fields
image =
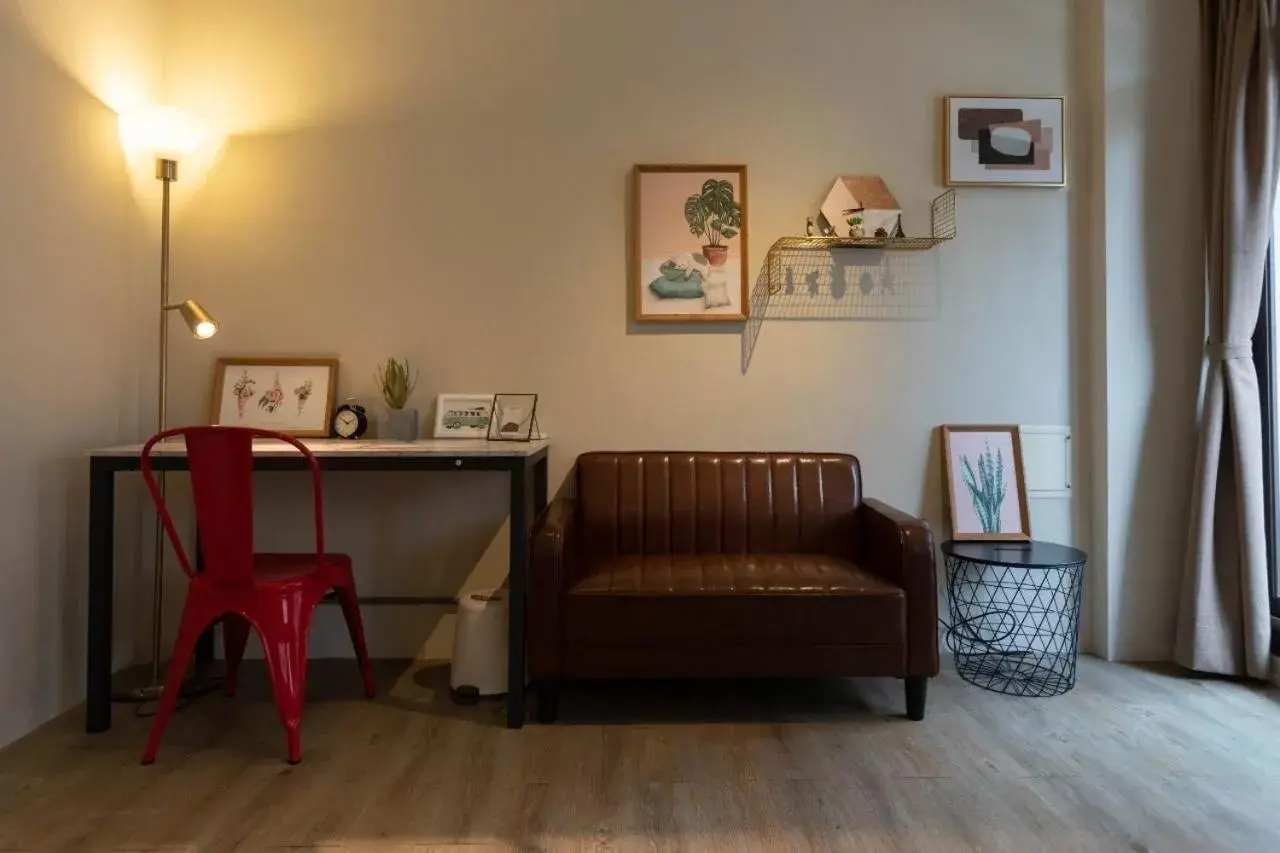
{"x": 942, "y": 218}
{"x": 836, "y": 278}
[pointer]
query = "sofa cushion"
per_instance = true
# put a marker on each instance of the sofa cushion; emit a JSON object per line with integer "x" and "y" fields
{"x": 717, "y": 503}
{"x": 732, "y": 598}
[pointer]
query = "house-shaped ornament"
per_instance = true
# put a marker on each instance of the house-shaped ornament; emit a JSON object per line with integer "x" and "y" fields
{"x": 861, "y": 195}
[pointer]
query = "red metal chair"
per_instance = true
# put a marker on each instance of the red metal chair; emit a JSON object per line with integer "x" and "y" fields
{"x": 275, "y": 594}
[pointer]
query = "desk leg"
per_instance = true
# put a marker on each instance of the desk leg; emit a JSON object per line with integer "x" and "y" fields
{"x": 539, "y": 487}
{"x": 516, "y": 583}
{"x": 204, "y": 645}
{"x": 102, "y": 512}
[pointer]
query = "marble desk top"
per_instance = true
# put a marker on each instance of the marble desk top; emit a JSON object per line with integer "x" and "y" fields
{"x": 331, "y": 447}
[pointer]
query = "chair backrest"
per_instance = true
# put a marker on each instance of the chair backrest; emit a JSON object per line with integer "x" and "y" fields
{"x": 717, "y": 503}
{"x": 220, "y": 459}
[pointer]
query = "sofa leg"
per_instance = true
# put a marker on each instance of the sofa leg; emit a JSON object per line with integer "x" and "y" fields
{"x": 548, "y": 700}
{"x": 917, "y": 691}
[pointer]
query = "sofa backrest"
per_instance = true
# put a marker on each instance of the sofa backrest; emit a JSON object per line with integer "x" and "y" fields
{"x": 717, "y": 503}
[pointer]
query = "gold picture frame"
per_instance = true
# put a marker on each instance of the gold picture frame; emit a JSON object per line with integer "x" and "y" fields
{"x": 675, "y": 277}
{"x": 1041, "y": 118}
{"x": 982, "y": 517}
{"x": 282, "y": 394}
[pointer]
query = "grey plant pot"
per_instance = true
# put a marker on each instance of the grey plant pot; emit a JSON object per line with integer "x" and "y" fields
{"x": 402, "y": 424}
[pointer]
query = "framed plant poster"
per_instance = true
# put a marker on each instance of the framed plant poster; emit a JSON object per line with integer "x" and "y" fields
{"x": 986, "y": 489}
{"x": 688, "y": 243}
{"x": 1005, "y": 142}
{"x": 289, "y": 395}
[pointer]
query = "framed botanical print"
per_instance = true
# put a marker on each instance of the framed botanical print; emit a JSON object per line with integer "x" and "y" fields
{"x": 289, "y": 395}
{"x": 688, "y": 242}
{"x": 986, "y": 488}
{"x": 1005, "y": 142}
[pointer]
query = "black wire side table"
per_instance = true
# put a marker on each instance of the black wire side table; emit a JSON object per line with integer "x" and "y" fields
{"x": 1015, "y": 614}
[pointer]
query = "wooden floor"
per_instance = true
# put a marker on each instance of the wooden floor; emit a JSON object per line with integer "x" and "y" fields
{"x": 1132, "y": 760}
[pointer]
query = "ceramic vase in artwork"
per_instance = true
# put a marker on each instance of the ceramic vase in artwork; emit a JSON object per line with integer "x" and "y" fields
{"x": 402, "y": 424}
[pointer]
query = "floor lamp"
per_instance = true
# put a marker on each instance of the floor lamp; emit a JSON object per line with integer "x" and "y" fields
{"x": 168, "y": 134}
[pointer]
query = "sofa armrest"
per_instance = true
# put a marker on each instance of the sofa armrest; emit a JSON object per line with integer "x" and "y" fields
{"x": 553, "y": 557}
{"x": 899, "y": 548}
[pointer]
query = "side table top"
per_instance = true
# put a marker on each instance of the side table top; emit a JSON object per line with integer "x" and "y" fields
{"x": 1031, "y": 555}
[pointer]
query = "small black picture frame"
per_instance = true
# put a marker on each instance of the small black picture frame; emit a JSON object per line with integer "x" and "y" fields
{"x": 513, "y": 417}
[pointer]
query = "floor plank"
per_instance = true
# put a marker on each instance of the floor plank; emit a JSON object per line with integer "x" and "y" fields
{"x": 1134, "y": 759}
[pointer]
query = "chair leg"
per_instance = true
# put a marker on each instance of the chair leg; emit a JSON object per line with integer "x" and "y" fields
{"x": 235, "y": 635}
{"x": 284, "y": 643}
{"x": 194, "y": 621}
{"x": 917, "y": 691}
{"x": 548, "y": 700}
{"x": 355, "y": 627}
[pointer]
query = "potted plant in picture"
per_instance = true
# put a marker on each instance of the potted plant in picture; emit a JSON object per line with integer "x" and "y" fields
{"x": 855, "y": 227}
{"x": 714, "y": 215}
{"x": 396, "y": 385}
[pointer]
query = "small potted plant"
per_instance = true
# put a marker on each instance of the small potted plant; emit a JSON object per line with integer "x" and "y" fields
{"x": 855, "y": 227}
{"x": 396, "y": 385}
{"x": 714, "y": 215}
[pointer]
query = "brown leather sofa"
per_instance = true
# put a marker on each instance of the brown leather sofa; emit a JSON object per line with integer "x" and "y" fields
{"x": 670, "y": 565}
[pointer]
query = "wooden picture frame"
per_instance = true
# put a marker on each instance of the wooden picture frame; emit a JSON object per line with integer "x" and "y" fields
{"x": 678, "y": 272}
{"x": 283, "y": 394}
{"x": 1037, "y": 121}
{"x": 976, "y": 515}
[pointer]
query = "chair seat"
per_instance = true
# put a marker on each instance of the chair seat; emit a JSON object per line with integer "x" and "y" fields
{"x": 733, "y": 599}
{"x": 730, "y": 574}
{"x": 280, "y": 568}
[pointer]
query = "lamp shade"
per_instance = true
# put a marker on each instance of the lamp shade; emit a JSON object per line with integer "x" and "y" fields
{"x": 202, "y": 326}
{"x": 166, "y": 132}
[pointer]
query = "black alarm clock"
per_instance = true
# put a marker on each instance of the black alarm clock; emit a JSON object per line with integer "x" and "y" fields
{"x": 349, "y": 421}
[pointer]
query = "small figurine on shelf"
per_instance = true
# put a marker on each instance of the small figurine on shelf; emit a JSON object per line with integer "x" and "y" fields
{"x": 827, "y": 229}
{"x": 882, "y": 234}
{"x": 808, "y": 227}
{"x": 898, "y": 233}
{"x": 855, "y": 227}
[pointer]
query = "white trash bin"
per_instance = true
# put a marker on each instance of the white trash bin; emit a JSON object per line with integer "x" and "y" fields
{"x": 479, "y": 666}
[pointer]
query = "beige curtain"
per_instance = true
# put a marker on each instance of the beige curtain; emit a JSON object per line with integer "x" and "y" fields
{"x": 1224, "y": 622}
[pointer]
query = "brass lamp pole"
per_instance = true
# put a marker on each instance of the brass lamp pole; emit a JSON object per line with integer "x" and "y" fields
{"x": 202, "y": 326}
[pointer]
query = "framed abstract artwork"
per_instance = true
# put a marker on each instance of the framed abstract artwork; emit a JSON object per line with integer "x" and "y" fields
{"x": 1005, "y": 142}
{"x": 688, "y": 243}
{"x": 289, "y": 395}
{"x": 986, "y": 488}
{"x": 515, "y": 417}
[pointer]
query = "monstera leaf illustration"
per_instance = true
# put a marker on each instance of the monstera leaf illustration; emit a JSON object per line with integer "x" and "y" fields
{"x": 713, "y": 213}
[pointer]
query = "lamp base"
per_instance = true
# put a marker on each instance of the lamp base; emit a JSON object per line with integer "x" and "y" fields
{"x": 135, "y": 685}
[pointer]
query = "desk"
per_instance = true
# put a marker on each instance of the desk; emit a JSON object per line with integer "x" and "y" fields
{"x": 526, "y": 462}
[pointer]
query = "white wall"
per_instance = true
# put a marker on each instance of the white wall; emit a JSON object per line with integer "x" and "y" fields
{"x": 1149, "y": 318}
{"x": 73, "y": 253}
{"x": 446, "y": 181}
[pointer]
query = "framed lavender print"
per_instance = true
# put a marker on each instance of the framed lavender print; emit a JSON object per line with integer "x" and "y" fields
{"x": 986, "y": 488}
{"x": 289, "y": 395}
{"x": 1001, "y": 141}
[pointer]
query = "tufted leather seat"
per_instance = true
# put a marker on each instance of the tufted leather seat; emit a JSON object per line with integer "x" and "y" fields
{"x": 704, "y": 564}
{"x": 730, "y": 574}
